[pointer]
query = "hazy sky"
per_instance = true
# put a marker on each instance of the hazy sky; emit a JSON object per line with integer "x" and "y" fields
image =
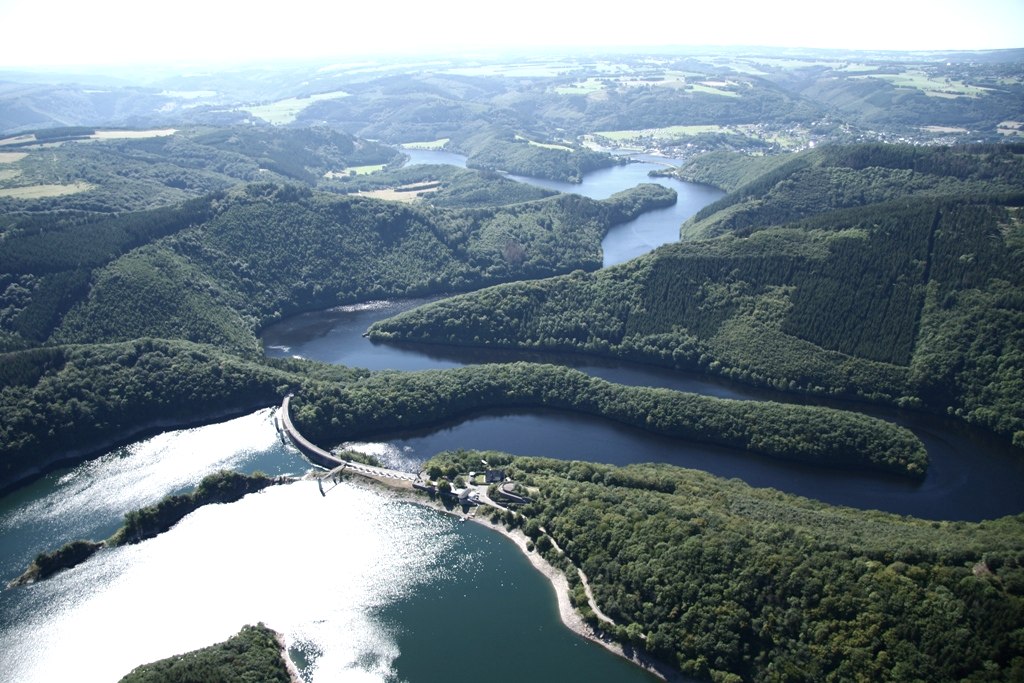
{"x": 99, "y": 32}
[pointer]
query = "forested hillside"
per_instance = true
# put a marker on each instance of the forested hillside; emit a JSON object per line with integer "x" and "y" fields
{"x": 254, "y": 654}
{"x": 731, "y": 583}
{"x": 216, "y": 268}
{"x": 137, "y": 267}
{"x": 889, "y": 273}
{"x": 66, "y": 402}
{"x": 501, "y": 149}
{"x": 103, "y": 175}
{"x": 274, "y": 250}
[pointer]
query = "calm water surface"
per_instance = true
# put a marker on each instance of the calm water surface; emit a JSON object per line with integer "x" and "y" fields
{"x": 971, "y": 475}
{"x": 365, "y": 588}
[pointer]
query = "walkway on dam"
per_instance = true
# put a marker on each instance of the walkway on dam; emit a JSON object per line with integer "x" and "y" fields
{"x": 322, "y": 458}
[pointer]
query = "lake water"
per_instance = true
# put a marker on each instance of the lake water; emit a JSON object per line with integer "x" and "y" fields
{"x": 364, "y": 587}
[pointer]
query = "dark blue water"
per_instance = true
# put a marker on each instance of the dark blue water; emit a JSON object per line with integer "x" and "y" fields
{"x": 971, "y": 476}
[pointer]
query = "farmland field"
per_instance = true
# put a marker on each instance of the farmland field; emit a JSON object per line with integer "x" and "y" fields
{"x": 1011, "y": 128}
{"x": 933, "y": 87}
{"x": 666, "y": 133}
{"x": 406, "y": 194}
{"x": 18, "y": 139}
{"x": 545, "y": 145}
{"x": 12, "y": 157}
{"x": 132, "y": 134}
{"x": 40, "y": 191}
{"x": 284, "y": 111}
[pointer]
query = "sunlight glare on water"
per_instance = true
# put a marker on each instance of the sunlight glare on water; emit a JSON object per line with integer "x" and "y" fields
{"x": 314, "y": 568}
{"x": 140, "y": 474}
{"x": 388, "y": 454}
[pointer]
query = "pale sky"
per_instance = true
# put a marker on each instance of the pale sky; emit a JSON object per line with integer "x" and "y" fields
{"x": 139, "y": 32}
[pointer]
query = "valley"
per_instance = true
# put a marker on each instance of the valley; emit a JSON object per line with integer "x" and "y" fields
{"x": 748, "y": 324}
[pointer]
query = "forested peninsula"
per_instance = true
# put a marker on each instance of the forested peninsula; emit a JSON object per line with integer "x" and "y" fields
{"x": 730, "y": 583}
{"x": 217, "y": 268}
{"x": 388, "y": 402}
{"x": 885, "y": 273}
{"x": 256, "y": 653}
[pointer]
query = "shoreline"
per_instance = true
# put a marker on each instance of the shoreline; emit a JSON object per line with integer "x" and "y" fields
{"x": 570, "y": 618}
{"x": 282, "y": 644}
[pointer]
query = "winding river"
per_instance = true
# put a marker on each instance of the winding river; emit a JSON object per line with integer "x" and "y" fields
{"x": 971, "y": 475}
{"x": 364, "y": 587}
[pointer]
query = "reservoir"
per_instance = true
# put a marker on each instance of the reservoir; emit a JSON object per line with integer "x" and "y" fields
{"x": 365, "y": 587}
{"x": 972, "y": 475}
{"x": 629, "y": 240}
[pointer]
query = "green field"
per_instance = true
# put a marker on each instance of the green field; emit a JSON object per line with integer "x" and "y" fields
{"x": 587, "y": 87}
{"x": 132, "y": 134}
{"x": 40, "y": 191}
{"x": 12, "y": 157}
{"x": 933, "y": 87}
{"x": 1011, "y": 128}
{"x": 363, "y": 170}
{"x": 666, "y": 133}
{"x": 545, "y": 145}
{"x": 284, "y": 111}
{"x": 712, "y": 90}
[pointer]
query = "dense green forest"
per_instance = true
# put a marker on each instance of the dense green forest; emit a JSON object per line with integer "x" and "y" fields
{"x": 61, "y": 401}
{"x": 727, "y": 170}
{"x": 901, "y": 283}
{"x": 217, "y": 488}
{"x": 253, "y": 654}
{"x": 730, "y": 582}
{"x": 215, "y": 269}
{"x": 135, "y": 174}
{"x": 501, "y": 149}
{"x": 387, "y": 402}
{"x": 444, "y": 186}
